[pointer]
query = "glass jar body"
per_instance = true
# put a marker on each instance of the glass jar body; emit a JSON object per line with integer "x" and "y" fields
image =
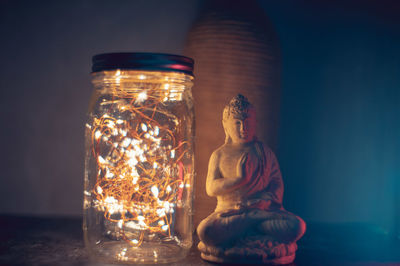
{"x": 139, "y": 166}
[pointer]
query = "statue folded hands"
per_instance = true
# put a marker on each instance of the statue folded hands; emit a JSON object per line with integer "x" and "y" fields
{"x": 249, "y": 223}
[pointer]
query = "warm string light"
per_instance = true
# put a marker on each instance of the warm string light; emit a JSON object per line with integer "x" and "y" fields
{"x": 140, "y": 171}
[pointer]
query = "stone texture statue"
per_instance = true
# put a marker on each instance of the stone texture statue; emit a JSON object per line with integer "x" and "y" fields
{"x": 249, "y": 224}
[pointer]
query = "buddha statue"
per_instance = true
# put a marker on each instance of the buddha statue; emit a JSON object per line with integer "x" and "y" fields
{"x": 249, "y": 224}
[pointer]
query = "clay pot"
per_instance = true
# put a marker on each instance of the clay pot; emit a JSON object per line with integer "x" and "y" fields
{"x": 236, "y": 51}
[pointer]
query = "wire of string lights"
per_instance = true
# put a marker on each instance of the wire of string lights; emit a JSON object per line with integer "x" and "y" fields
{"x": 137, "y": 139}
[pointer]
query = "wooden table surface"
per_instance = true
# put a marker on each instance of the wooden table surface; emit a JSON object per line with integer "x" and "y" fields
{"x": 59, "y": 241}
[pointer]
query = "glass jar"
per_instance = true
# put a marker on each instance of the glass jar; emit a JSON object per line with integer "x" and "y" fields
{"x": 139, "y": 163}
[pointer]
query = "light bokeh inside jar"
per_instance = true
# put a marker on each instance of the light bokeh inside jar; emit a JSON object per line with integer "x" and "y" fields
{"x": 142, "y": 156}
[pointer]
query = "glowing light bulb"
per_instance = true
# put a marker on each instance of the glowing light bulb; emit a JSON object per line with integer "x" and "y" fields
{"x": 101, "y": 160}
{"x": 109, "y": 174}
{"x": 132, "y": 162}
{"x": 141, "y": 97}
{"x": 97, "y": 134}
{"x": 154, "y": 190}
{"x": 125, "y": 143}
{"x": 111, "y": 124}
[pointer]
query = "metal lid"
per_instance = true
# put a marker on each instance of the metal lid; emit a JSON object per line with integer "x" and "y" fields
{"x": 142, "y": 61}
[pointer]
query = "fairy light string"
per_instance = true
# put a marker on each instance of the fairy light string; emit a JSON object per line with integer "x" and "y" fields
{"x": 140, "y": 174}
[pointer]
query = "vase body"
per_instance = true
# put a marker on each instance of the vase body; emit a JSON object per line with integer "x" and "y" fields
{"x": 139, "y": 162}
{"x": 236, "y": 51}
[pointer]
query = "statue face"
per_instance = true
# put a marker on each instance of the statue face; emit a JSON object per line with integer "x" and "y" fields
{"x": 241, "y": 130}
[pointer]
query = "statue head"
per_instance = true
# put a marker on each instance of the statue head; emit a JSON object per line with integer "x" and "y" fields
{"x": 239, "y": 121}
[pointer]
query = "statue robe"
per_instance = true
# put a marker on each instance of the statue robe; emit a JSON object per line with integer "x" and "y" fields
{"x": 262, "y": 186}
{"x": 261, "y": 193}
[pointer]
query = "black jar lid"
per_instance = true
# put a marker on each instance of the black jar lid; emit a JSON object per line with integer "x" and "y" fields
{"x": 142, "y": 61}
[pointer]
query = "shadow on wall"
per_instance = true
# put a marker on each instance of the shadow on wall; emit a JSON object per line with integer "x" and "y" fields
{"x": 339, "y": 137}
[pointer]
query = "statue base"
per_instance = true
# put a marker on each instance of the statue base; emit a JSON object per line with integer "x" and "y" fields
{"x": 251, "y": 251}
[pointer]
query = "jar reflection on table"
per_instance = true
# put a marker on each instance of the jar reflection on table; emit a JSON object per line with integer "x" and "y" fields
{"x": 139, "y": 166}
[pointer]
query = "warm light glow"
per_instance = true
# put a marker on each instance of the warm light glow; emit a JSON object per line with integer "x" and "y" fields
{"x": 140, "y": 174}
{"x": 118, "y": 76}
{"x": 154, "y": 190}
{"x": 121, "y": 255}
{"x": 97, "y": 135}
{"x": 141, "y": 97}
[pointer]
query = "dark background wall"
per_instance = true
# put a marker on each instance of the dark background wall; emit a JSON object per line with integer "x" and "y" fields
{"x": 339, "y": 143}
{"x": 340, "y": 126}
{"x": 46, "y": 49}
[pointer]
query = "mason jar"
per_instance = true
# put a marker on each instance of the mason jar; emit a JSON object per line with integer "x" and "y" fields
{"x": 139, "y": 161}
